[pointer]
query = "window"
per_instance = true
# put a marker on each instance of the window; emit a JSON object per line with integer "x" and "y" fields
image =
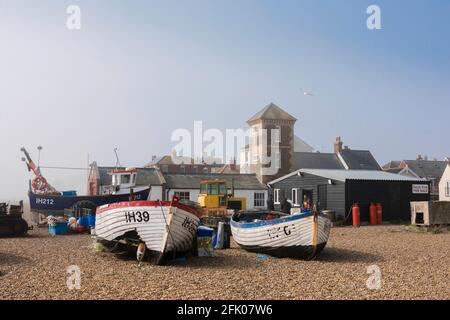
{"x": 447, "y": 189}
{"x": 222, "y": 188}
{"x": 165, "y": 168}
{"x": 183, "y": 169}
{"x": 183, "y": 195}
{"x": 203, "y": 188}
{"x": 133, "y": 178}
{"x": 259, "y": 199}
{"x": 125, "y": 179}
{"x": 277, "y": 134}
{"x": 278, "y": 160}
{"x": 212, "y": 188}
{"x": 276, "y": 196}
{"x": 195, "y": 169}
{"x": 295, "y": 196}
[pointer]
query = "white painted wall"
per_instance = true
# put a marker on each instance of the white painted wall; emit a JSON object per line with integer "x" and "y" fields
{"x": 444, "y": 184}
{"x": 238, "y": 193}
{"x": 156, "y": 193}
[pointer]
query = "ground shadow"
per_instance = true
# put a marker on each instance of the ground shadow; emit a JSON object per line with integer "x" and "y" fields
{"x": 7, "y": 259}
{"x": 219, "y": 260}
{"x": 340, "y": 255}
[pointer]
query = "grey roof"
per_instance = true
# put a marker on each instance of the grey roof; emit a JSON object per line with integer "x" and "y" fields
{"x": 272, "y": 112}
{"x": 192, "y": 181}
{"x": 359, "y": 160}
{"x": 392, "y": 165}
{"x": 145, "y": 176}
{"x": 343, "y": 175}
{"x": 427, "y": 168}
{"x": 315, "y": 160}
{"x": 394, "y": 170}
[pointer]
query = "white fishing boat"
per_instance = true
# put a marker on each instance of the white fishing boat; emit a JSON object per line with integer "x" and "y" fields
{"x": 166, "y": 227}
{"x": 302, "y": 235}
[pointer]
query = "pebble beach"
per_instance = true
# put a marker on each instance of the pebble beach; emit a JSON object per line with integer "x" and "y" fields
{"x": 413, "y": 265}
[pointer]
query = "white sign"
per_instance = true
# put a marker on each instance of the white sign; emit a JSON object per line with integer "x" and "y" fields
{"x": 420, "y": 189}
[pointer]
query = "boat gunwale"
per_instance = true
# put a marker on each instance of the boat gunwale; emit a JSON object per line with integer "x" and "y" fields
{"x": 82, "y": 196}
{"x": 246, "y": 225}
{"x": 147, "y": 203}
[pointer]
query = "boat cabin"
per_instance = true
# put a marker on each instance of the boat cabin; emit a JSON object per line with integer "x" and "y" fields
{"x": 213, "y": 193}
{"x": 124, "y": 179}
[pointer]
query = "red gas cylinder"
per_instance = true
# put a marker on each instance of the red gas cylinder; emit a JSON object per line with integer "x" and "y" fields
{"x": 379, "y": 213}
{"x": 373, "y": 214}
{"x": 355, "y": 216}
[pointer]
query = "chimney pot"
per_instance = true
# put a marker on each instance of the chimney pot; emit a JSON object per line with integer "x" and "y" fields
{"x": 338, "y": 145}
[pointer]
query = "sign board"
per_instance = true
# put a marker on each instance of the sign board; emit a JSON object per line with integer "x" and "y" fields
{"x": 420, "y": 189}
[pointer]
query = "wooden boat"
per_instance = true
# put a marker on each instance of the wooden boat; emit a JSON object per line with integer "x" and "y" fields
{"x": 302, "y": 235}
{"x": 165, "y": 227}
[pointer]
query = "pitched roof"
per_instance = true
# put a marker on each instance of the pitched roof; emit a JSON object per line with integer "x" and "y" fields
{"x": 427, "y": 168}
{"x": 316, "y": 160}
{"x": 359, "y": 160}
{"x": 392, "y": 165}
{"x": 301, "y": 146}
{"x": 192, "y": 181}
{"x": 167, "y": 160}
{"x": 272, "y": 112}
{"x": 145, "y": 176}
{"x": 343, "y": 175}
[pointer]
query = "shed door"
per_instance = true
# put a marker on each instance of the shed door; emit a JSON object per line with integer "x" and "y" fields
{"x": 322, "y": 197}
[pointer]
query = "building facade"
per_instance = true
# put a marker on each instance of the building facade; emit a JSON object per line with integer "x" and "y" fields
{"x": 444, "y": 185}
{"x": 431, "y": 170}
{"x": 339, "y": 189}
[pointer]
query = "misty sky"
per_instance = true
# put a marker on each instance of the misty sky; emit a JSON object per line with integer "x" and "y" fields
{"x": 137, "y": 70}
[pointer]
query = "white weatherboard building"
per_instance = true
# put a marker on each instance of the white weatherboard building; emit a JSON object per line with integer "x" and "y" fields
{"x": 163, "y": 186}
{"x": 444, "y": 185}
{"x": 187, "y": 187}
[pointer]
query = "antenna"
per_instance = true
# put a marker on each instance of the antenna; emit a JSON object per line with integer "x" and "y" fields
{"x": 117, "y": 158}
{"x": 39, "y": 155}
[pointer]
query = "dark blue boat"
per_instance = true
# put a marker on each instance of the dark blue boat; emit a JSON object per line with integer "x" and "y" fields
{"x": 56, "y": 204}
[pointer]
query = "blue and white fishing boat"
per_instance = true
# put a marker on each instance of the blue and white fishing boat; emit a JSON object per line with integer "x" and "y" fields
{"x": 302, "y": 235}
{"x": 45, "y": 199}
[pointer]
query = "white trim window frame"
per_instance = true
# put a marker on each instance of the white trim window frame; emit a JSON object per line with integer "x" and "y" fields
{"x": 276, "y": 196}
{"x": 183, "y": 195}
{"x": 259, "y": 199}
{"x": 294, "y": 195}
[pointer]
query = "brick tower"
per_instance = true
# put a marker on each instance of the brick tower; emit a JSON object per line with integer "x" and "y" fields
{"x": 269, "y": 118}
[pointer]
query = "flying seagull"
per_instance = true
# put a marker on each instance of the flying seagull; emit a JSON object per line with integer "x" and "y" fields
{"x": 307, "y": 93}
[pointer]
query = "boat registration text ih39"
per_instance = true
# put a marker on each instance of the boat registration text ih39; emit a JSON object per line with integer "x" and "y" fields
{"x": 144, "y": 216}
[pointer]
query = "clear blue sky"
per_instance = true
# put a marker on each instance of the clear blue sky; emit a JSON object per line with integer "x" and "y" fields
{"x": 137, "y": 70}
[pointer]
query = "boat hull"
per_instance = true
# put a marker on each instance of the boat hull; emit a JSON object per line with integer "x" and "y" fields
{"x": 300, "y": 236}
{"x": 56, "y": 204}
{"x": 163, "y": 226}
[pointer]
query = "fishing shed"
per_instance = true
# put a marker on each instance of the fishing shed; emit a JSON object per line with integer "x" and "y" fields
{"x": 339, "y": 189}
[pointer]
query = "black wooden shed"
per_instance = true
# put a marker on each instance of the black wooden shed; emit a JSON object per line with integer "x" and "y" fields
{"x": 339, "y": 189}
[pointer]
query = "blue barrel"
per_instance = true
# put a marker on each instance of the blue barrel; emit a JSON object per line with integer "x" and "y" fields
{"x": 83, "y": 221}
{"x": 91, "y": 220}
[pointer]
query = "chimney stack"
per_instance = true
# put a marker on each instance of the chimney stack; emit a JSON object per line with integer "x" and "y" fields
{"x": 338, "y": 145}
{"x": 419, "y": 157}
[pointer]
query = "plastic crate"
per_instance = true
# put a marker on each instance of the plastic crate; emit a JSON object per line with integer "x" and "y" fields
{"x": 57, "y": 228}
